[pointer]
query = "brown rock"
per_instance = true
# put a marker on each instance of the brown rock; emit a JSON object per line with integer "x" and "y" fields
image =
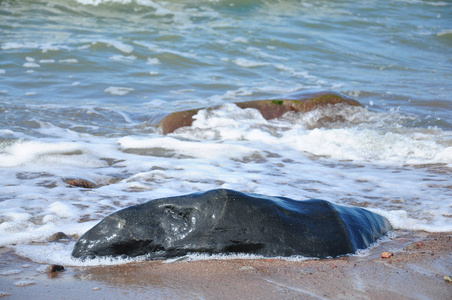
{"x": 270, "y": 109}
{"x": 78, "y": 182}
{"x": 387, "y": 254}
{"x": 58, "y": 236}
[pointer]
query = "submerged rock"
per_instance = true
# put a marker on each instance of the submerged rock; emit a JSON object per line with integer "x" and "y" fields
{"x": 54, "y": 270}
{"x": 270, "y": 109}
{"x": 58, "y": 236}
{"x": 226, "y": 221}
{"x": 80, "y": 182}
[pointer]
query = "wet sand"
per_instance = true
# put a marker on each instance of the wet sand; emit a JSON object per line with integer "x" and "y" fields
{"x": 415, "y": 271}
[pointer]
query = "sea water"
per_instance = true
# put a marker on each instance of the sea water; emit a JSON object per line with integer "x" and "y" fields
{"x": 81, "y": 82}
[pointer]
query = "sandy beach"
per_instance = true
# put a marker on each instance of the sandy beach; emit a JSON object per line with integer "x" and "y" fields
{"x": 415, "y": 271}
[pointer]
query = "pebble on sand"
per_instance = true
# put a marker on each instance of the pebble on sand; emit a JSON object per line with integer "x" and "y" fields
{"x": 387, "y": 254}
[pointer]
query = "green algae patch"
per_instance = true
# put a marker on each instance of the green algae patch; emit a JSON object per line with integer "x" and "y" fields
{"x": 270, "y": 109}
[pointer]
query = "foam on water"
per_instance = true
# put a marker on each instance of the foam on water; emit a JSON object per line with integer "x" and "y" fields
{"x": 351, "y": 157}
{"x": 60, "y": 253}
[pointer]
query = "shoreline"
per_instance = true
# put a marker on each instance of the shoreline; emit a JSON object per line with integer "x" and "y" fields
{"x": 416, "y": 270}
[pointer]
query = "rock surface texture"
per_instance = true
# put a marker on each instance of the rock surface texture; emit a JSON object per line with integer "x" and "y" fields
{"x": 226, "y": 221}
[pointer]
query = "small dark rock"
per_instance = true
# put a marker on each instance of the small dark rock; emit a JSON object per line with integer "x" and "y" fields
{"x": 58, "y": 236}
{"x": 79, "y": 182}
{"x": 54, "y": 270}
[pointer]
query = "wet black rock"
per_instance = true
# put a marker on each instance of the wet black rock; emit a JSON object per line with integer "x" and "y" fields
{"x": 226, "y": 221}
{"x": 55, "y": 268}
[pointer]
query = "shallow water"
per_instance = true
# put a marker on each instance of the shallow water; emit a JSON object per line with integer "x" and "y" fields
{"x": 82, "y": 81}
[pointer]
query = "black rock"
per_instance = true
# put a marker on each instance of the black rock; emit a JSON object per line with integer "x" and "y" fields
{"x": 226, "y": 221}
{"x": 55, "y": 268}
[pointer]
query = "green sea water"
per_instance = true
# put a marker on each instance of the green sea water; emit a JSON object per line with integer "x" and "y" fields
{"x": 136, "y": 54}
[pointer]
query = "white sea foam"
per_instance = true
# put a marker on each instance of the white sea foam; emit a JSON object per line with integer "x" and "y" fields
{"x": 43, "y": 153}
{"x": 208, "y": 151}
{"x": 246, "y": 63}
{"x": 31, "y": 65}
{"x": 445, "y": 32}
{"x": 45, "y": 47}
{"x": 160, "y": 9}
{"x": 117, "y": 44}
{"x": 60, "y": 253}
{"x": 153, "y": 61}
{"x": 227, "y": 148}
{"x": 129, "y": 58}
{"x": 97, "y": 2}
{"x": 118, "y": 90}
{"x": 69, "y": 61}
{"x": 155, "y": 48}
{"x": 18, "y": 45}
{"x": 240, "y": 39}
{"x": 369, "y": 145}
{"x": 24, "y": 282}
{"x": 260, "y": 53}
{"x": 46, "y": 61}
